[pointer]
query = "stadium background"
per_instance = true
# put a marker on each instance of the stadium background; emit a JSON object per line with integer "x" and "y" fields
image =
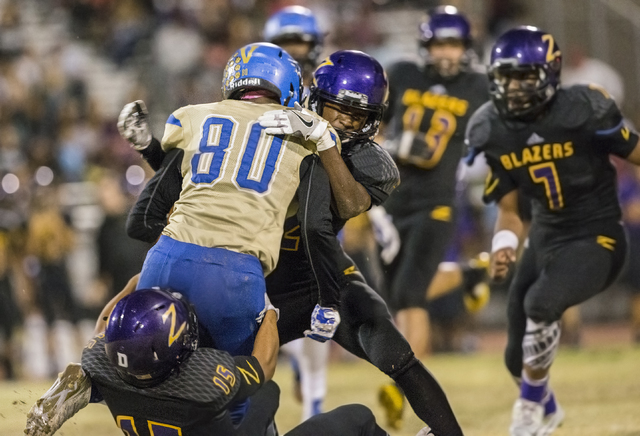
{"x": 67, "y": 178}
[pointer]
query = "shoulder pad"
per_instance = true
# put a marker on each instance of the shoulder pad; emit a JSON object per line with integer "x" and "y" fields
{"x": 196, "y": 379}
{"x": 479, "y": 126}
{"x": 374, "y": 168}
{"x": 586, "y": 103}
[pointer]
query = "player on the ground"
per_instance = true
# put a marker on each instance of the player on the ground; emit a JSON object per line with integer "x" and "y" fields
{"x": 430, "y": 103}
{"x": 223, "y": 235}
{"x": 148, "y": 369}
{"x": 296, "y": 29}
{"x": 553, "y": 145}
{"x": 350, "y": 91}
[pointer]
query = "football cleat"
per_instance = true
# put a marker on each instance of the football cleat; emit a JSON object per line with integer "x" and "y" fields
{"x": 392, "y": 400}
{"x": 70, "y": 393}
{"x": 527, "y": 418}
{"x": 551, "y": 422}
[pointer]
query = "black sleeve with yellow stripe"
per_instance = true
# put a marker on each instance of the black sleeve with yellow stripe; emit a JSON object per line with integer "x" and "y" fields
{"x": 498, "y": 182}
{"x": 612, "y": 134}
{"x": 250, "y": 374}
{"x": 478, "y": 140}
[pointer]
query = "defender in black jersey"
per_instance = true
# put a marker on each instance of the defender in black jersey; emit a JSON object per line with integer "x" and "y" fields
{"x": 361, "y": 175}
{"x": 149, "y": 370}
{"x": 429, "y": 107}
{"x": 553, "y": 145}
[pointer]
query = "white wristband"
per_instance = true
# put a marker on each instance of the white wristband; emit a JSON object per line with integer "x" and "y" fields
{"x": 504, "y": 239}
{"x": 326, "y": 141}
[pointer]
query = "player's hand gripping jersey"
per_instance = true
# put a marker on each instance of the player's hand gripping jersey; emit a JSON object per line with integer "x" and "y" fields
{"x": 237, "y": 181}
{"x": 193, "y": 401}
{"x": 561, "y": 160}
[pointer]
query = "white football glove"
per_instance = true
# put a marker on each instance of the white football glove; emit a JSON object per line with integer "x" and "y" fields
{"x": 324, "y": 323}
{"x": 298, "y": 122}
{"x": 385, "y": 233}
{"x": 133, "y": 124}
{"x": 69, "y": 393}
{"x": 267, "y": 306}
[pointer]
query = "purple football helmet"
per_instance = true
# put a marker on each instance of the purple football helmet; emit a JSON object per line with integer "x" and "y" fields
{"x": 445, "y": 22}
{"x": 532, "y": 58}
{"x": 149, "y": 333}
{"x": 354, "y": 79}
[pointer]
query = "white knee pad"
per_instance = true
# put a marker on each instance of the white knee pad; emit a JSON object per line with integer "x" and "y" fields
{"x": 540, "y": 344}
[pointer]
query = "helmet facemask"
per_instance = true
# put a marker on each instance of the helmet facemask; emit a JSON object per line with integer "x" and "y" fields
{"x": 352, "y": 104}
{"x": 522, "y": 91}
{"x": 446, "y": 66}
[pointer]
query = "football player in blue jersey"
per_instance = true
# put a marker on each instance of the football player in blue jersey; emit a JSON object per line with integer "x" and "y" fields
{"x": 350, "y": 91}
{"x": 552, "y": 145}
{"x": 238, "y": 183}
{"x": 296, "y": 29}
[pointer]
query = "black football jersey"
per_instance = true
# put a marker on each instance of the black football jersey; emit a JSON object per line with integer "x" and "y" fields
{"x": 426, "y": 122}
{"x": 370, "y": 166}
{"x": 561, "y": 161}
{"x": 192, "y": 401}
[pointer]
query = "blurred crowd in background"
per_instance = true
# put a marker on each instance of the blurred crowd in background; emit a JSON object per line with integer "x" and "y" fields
{"x": 67, "y": 179}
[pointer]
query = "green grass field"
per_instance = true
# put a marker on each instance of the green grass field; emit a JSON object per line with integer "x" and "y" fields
{"x": 598, "y": 387}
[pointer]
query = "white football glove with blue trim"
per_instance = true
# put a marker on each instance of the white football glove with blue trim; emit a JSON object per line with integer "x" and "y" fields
{"x": 324, "y": 323}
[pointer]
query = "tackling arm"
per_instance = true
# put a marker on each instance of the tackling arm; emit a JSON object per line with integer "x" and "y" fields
{"x": 267, "y": 344}
{"x": 351, "y": 198}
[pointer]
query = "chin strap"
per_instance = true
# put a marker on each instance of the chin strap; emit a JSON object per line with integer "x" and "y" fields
{"x": 70, "y": 392}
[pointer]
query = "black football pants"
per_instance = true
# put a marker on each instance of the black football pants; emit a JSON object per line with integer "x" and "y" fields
{"x": 560, "y": 268}
{"x": 367, "y": 331}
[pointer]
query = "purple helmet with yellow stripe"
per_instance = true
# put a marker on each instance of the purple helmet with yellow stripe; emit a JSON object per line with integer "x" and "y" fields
{"x": 533, "y": 58}
{"x": 353, "y": 79}
{"x": 149, "y": 333}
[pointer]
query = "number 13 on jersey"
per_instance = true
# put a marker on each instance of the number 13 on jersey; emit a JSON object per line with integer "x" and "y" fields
{"x": 256, "y": 165}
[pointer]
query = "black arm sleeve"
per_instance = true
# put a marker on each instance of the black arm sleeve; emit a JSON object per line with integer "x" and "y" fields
{"x": 153, "y": 154}
{"x": 320, "y": 241}
{"x": 148, "y": 217}
{"x": 373, "y": 168}
{"x": 250, "y": 376}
